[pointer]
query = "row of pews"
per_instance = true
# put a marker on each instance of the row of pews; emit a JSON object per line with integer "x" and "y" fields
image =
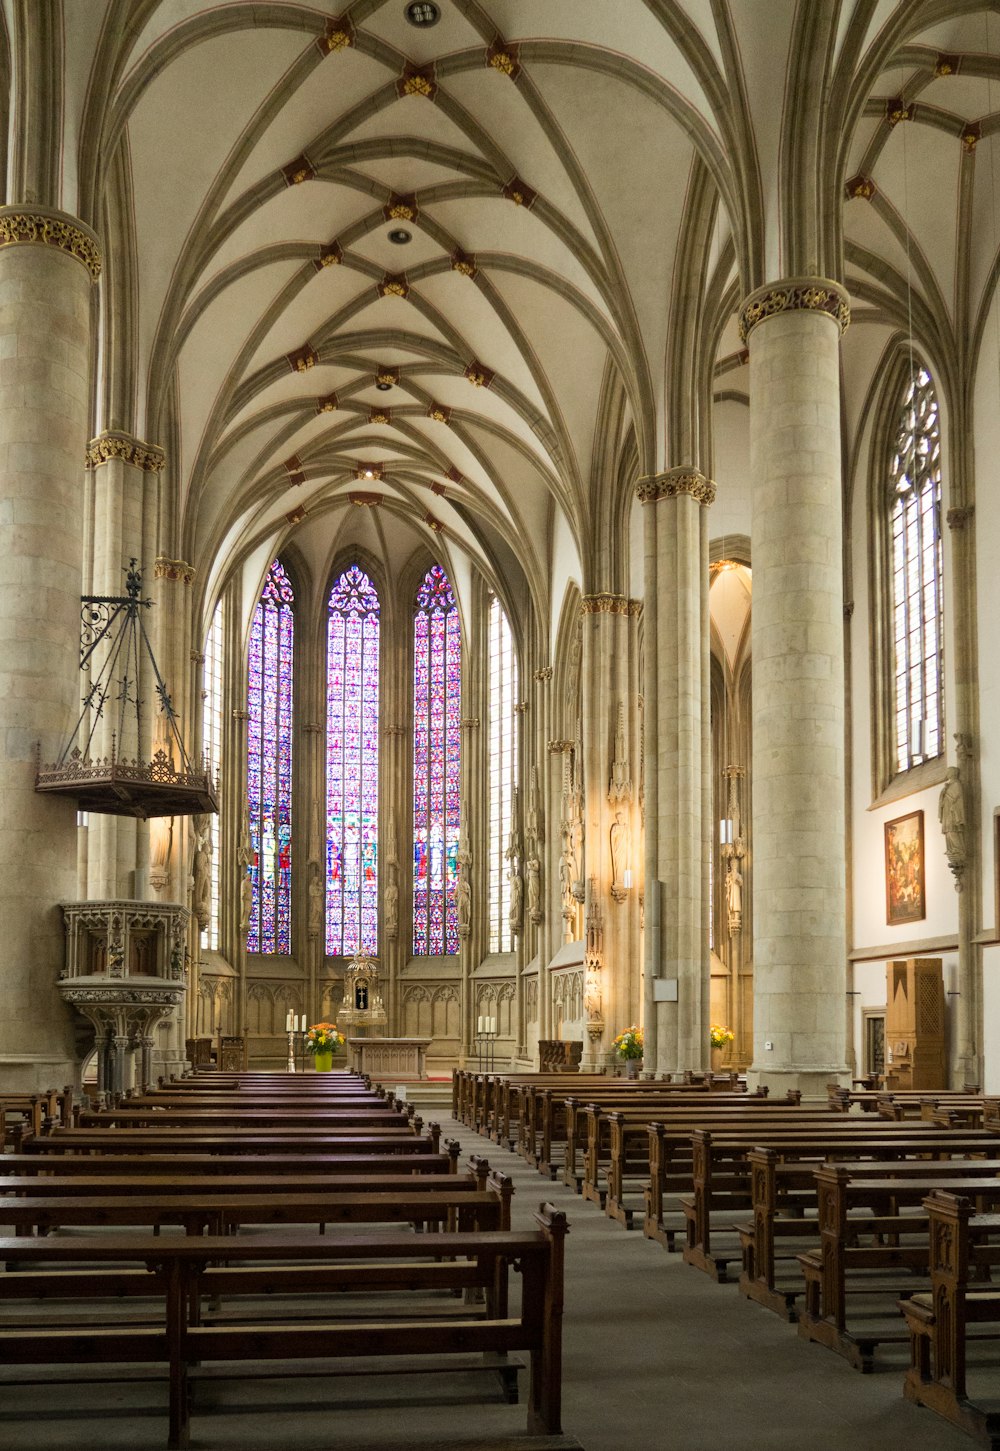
{"x": 227, "y": 1222}
{"x": 867, "y": 1221}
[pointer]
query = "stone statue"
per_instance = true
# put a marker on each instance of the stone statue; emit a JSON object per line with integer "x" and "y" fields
{"x": 463, "y": 899}
{"x": 391, "y": 910}
{"x": 734, "y": 895}
{"x": 620, "y": 856}
{"x": 516, "y": 902}
{"x": 201, "y": 870}
{"x": 951, "y": 814}
{"x": 534, "y": 869}
{"x": 315, "y": 921}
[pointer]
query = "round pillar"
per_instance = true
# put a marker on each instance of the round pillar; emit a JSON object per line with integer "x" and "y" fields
{"x": 800, "y": 948}
{"x": 48, "y": 262}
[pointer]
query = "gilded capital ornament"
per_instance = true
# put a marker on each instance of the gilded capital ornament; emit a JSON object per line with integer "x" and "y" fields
{"x": 115, "y": 444}
{"x": 795, "y": 294}
{"x": 675, "y": 483}
{"x": 177, "y": 570}
{"x": 610, "y": 604}
{"x": 48, "y": 228}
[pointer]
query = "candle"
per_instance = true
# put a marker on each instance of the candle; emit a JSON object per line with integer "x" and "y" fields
{"x": 288, "y": 1021}
{"x": 493, "y": 1025}
{"x": 479, "y": 1025}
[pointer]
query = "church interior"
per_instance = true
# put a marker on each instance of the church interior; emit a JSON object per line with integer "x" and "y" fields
{"x": 496, "y": 527}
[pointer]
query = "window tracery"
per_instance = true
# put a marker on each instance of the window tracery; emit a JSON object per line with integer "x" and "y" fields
{"x": 437, "y": 707}
{"x": 269, "y": 764}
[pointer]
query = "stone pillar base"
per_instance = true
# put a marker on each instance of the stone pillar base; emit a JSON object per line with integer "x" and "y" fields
{"x": 811, "y": 1082}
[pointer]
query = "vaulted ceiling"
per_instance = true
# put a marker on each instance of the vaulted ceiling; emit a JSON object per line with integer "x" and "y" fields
{"x": 385, "y": 285}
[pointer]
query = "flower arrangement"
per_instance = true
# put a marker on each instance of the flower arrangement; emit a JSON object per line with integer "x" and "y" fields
{"x": 630, "y": 1043}
{"x": 323, "y": 1038}
{"x": 720, "y": 1036}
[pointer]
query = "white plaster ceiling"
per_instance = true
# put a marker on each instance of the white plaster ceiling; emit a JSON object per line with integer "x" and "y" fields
{"x": 601, "y": 130}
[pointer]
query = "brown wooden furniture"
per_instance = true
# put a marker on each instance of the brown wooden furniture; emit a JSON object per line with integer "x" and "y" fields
{"x": 185, "y": 1274}
{"x": 962, "y": 1305}
{"x": 915, "y": 1027}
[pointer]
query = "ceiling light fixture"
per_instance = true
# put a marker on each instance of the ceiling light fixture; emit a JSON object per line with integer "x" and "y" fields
{"x": 423, "y": 13}
{"x": 383, "y": 387}
{"x": 400, "y": 236}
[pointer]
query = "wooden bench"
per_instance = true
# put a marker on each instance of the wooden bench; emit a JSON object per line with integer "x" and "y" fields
{"x": 722, "y": 1177}
{"x": 785, "y": 1210}
{"x": 962, "y": 1305}
{"x": 236, "y": 1141}
{"x": 891, "y": 1264}
{"x": 185, "y": 1272}
{"x": 334, "y": 1163}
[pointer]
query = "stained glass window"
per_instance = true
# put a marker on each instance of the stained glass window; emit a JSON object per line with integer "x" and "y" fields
{"x": 914, "y": 505}
{"x": 352, "y": 674}
{"x": 269, "y": 765}
{"x": 211, "y": 734}
{"x": 437, "y": 706}
{"x": 503, "y": 772}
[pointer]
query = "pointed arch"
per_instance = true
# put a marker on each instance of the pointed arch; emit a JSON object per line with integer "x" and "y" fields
{"x": 269, "y": 764}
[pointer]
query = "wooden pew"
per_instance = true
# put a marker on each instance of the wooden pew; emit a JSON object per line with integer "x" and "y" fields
{"x": 964, "y": 1251}
{"x": 838, "y": 1274}
{"x": 184, "y": 1272}
{"x": 722, "y": 1170}
{"x": 236, "y": 1141}
{"x": 334, "y": 1163}
{"x": 444, "y": 1203}
{"x": 785, "y": 1210}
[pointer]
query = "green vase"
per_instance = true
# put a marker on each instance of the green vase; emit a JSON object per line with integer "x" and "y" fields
{"x": 323, "y": 1062}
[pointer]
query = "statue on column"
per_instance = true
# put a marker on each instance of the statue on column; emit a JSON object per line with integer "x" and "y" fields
{"x": 316, "y": 904}
{"x": 734, "y": 894}
{"x": 463, "y": 886}
{"x": 534, "y": 870}
{"x": 390, "y": 902}
{"x": 201, "y": 870}
{"x": 532, "y": 847}
{"x": 513, "y": 856}
{"x": 951, "y": 814}
{"x": 620, "y": 857}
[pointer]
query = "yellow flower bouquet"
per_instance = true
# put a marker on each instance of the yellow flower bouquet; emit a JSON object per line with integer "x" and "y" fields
{"x": 719, "y": 1036}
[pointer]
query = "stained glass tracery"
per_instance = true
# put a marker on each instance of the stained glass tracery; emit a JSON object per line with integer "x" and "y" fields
{"x": 269, "y": 765}
{"x": 503, "y": 772}
{"x": 437, "y": 708}
{"x": 352, "y": 696}
{"x": 914, "y": 507}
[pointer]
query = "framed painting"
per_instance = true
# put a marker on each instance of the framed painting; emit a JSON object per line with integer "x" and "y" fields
{"x": 904, "y": 869}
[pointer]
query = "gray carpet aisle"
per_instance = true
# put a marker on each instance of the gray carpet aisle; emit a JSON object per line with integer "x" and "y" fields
{"x": 656, "y": 1357}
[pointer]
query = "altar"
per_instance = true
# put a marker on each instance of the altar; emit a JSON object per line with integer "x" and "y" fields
{"x": 389, "y": 1058}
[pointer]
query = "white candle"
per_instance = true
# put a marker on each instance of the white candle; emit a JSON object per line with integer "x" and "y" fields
{"x": 302, "y": 1022}
{"x": 493, "y": 1025}
{"x": 479, "y": 1024}
{"x": 288, "y": 1021}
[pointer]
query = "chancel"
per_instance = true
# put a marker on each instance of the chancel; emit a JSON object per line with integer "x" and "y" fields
{"x": 541, "y": 460}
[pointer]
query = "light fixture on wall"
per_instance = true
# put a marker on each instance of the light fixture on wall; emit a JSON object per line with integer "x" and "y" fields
{"x": 917, "y": 738}
{"x": 726, "y": 831}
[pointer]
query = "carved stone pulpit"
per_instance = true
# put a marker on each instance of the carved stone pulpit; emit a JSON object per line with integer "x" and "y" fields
{"x": 124, "y": 973}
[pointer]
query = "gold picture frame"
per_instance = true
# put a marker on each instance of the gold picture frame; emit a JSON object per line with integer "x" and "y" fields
{"x": 905, "y": 897}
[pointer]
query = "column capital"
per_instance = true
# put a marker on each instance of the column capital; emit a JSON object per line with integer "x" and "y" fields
{"x": 173, "y": 569}
{"x": 544, "y": 674}
{"x": 46, "y": 227}
{"x": 610, "y": 604}
{"x": 673, "y": 483}
{"x": 795, "y": 294}
{"x": 114, "y": 443}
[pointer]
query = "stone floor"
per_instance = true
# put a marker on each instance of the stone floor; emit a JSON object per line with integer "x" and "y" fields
{"x": 656, "y": 1358}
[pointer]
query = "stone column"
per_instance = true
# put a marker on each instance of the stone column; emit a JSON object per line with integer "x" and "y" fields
{"x": 610, "y": 740}
{"x": 124, "y": 471}
{"x": 676, "y": 647}
{"x": 800, "y": 948}
{"x": 48, "y": 262}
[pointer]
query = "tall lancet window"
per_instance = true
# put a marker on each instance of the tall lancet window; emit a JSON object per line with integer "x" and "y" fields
{"x": 352, "y": 676}
{"x": 503, "y": 773}
{"x": 437, "y": 718}
{"x": 914, "y": 506}
{"x": 269, "y": 765}
{"x": 211, "y": 735}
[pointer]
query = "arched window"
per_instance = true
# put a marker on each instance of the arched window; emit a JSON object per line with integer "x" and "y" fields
{"x": 503, "y": 771}
{"x": 914, "y": 512}
{"x": 437, "y": 709}
{"x": 352, "y": 682}
{"x": 269, "y": 765}
{"x": 211, "y": 735}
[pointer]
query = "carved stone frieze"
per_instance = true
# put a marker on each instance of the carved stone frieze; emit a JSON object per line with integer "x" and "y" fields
{"x": 796, "y": 294}
{"x": 675, "y": 483}
{"x": 51, "y": 229}
{"x": 610, "y": 604}
{"x": 177, "y": 570}
{"x": 115, "y": 444}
